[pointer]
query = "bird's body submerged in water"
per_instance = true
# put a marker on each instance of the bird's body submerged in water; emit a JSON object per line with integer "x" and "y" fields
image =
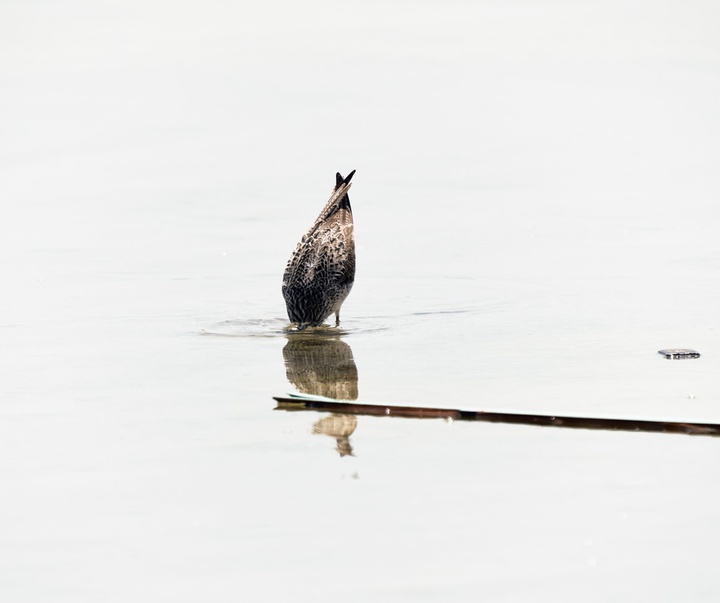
{"x": 321, "y": 271}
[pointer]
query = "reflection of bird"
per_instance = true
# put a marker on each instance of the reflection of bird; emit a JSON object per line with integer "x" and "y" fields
{"x": 321, "y": 366}
{"x": 324, "y": 366}
{"x": 340, "y": 427}
{"x": 321, "y": 271}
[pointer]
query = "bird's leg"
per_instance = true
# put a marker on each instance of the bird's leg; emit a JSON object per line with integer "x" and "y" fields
{"x": 337, "y": 318}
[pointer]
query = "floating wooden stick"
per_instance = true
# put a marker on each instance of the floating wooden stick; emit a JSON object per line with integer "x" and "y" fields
{"x": 679, "y": 353}
{"x": 299, "y": 403}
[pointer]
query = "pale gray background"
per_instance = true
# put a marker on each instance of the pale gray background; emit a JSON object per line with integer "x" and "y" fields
{"x": 536, "y": 208}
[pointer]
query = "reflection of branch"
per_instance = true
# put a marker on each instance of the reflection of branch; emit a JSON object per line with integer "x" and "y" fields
{"x": 415, "y": 412}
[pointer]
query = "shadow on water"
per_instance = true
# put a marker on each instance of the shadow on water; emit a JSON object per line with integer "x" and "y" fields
{"x": 319, "y": 364}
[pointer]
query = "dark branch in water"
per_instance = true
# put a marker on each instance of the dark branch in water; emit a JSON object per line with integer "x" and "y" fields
{"x": 419, "y": 412}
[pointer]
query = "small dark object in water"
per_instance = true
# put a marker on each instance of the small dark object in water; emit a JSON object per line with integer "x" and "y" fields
{"x": 321, "y": 271}
{"x": 679, "y": 353}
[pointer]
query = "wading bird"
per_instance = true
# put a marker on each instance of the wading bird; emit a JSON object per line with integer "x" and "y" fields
{"x": 321, "y": 271}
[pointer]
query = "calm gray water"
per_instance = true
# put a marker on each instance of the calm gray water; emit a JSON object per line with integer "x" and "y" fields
{"x": 536, "y": 209}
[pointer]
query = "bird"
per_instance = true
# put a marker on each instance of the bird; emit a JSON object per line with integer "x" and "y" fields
{"x": 321, "y": 271}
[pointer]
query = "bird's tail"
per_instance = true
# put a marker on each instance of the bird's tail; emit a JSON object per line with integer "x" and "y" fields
{"x": 339, "y": 180}
{"x": 339, "y": 198}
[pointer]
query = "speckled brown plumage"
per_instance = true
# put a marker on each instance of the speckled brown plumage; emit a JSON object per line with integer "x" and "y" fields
{"x": 321, "y": 271}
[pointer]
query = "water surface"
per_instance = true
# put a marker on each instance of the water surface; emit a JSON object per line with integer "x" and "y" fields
{"x": 536, "y": 216}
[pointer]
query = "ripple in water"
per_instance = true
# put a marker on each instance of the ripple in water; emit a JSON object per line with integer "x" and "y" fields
{"x": 253, "y": 327}
{"x": 279, "y": 327}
